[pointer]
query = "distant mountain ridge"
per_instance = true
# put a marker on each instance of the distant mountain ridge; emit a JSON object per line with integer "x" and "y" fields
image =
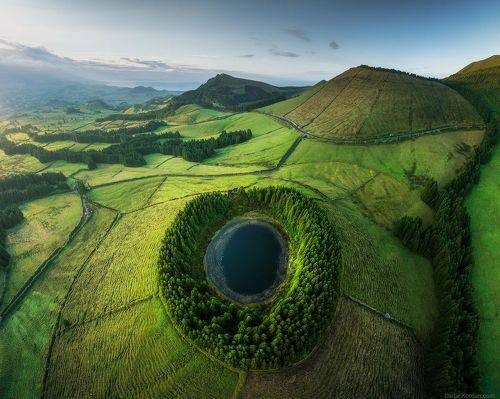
{"x": 228, "y": 92}
{"x": 23, "y": 88}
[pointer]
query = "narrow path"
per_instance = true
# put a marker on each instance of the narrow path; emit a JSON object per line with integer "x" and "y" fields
{"x": 385, "y": 315}
{"x": 19, "y": 296}
{"x": 150, "y": 196}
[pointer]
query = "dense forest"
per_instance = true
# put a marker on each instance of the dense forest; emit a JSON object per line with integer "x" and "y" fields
{"x": 253, "y": 337}
{"x": 119, "y": 135}
{"x": 451, "y": 357}
{"x": 131, "y": 151}
{"x": 19, "y": 188}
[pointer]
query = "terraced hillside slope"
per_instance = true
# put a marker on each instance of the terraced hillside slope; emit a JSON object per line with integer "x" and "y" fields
{"x": 369, "y": 102}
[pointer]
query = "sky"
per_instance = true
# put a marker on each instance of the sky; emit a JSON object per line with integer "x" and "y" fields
{"x": 179, "y": 44}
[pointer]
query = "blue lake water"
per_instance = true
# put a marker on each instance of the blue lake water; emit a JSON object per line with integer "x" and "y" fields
{"x": 251, "y": 259}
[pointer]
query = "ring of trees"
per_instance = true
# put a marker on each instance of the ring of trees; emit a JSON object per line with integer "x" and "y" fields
{"x": 253, "y": 337}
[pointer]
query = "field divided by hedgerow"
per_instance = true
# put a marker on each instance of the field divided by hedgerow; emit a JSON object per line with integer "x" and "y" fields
{"x": 126, "y": 196}
{"x": 437, "y": 157}
{"x": 134, "y": 353}
{"x": 12, "y": 164}
{"x": 47, "y": 225}
{"x": 178, "y": 187}
{"x": 118, "y": 288}
{"x": 25, "y": 336}
{"x": 259, "y": 123}
{"x": 264, "y": 150}
{"x": 192, "y": 113}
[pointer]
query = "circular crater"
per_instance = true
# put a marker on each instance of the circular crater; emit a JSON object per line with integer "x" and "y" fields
{"x": 227, "y": 250}
{"x": 246, "y": 260}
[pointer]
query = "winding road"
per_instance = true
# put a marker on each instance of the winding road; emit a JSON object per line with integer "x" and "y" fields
{"x": 385, "y": 139}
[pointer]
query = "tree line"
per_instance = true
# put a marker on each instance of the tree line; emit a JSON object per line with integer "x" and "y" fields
{"x": 20, "y": 188}
{"x": 413, "y": 75}
{"x": 119, "y": 135}
{"x": 451, "y": 363}
{"x": 257, "y": 337}
{"x": 131, "y": 151}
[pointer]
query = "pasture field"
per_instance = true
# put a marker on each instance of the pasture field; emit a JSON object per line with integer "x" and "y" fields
{"x": 25, "y": 336}
{"x": 192, "y": 113}
{"x": 49, "y": 221}
{"x": 123, "y": 270}
{"x": 259, "y": 123}
{"x": 362, "y": 356}
{"x": 134, "y": 352}
{"x": 365, "y": 102}
{"x": 66, "y": 168}
{"x": 55, "y": 119}
{"x": 484, "y": 210}
{"x": 111, "y": 292}
{"x": 12, "y": 164}
{"x": 180, "y": 187}
{"x": 264, "y": 150}
{"x": 379, "y": 271}
{"x": 128, "y": 195}
{"x": 437, "y": 157}
{"x": 173, "y": 166}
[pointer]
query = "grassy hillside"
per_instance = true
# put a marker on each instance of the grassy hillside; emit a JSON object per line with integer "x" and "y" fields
{"x": 481, "y": 65}
{"x": 480, "y": 83}
{"x": 369, "y": 102}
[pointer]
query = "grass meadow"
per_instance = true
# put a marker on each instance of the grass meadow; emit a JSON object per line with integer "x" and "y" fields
{"x": 47, "y": 225}
{"x": 484, "y": 210}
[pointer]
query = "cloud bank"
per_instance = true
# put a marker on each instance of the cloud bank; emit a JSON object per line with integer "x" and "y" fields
{"x": 299, "y": 34}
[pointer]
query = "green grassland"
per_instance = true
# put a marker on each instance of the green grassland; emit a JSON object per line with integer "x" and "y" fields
{"x": 11, "y": 164}
{"x": 128, "y": 195}
{"x": 379, "y": 271}
{"x": 430, "y": 156}
{"x": 25, "y": 337}
{"x": 118, "y": 287}
{"x": 484, "y": 209}
{"x": 192, "y": 113}
{"x": 48, "y": 224}
{"x": 364, "y": 102}
{"x": 260, "y": 124}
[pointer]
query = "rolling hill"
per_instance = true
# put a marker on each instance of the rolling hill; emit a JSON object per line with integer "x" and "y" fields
{"x": 371, "y": 102}
{"x": 227, "y": 92}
